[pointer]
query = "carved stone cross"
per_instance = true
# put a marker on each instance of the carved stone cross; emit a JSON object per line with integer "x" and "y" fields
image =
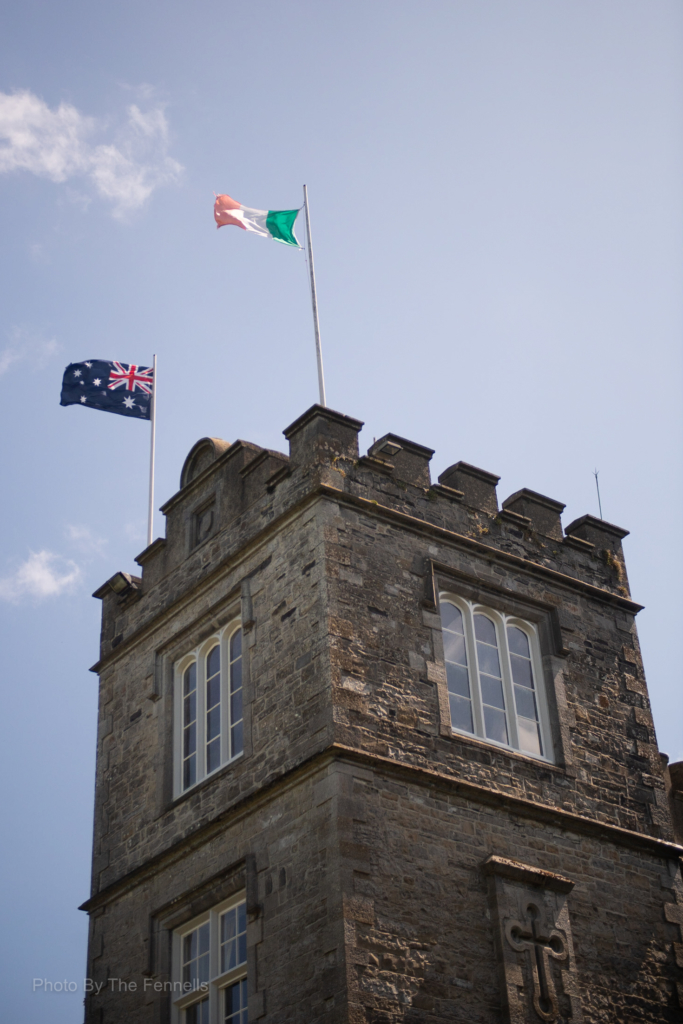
{"x": 533, "y": 941}
{"x": 541, "y": 942}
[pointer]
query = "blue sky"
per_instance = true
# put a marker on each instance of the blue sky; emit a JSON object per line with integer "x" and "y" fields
{"x": 497, "y": 209}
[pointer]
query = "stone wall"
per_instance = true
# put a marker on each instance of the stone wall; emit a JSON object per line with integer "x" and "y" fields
{"x": 369, "y": 901}
{"x": 387, "y": 658}
{"x": 283, "y": 852}
{"x": 422, "y": 945}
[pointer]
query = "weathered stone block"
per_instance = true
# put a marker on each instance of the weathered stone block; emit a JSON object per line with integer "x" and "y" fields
{"x": 477, "y": 485}
{"x": 543, "y": 513}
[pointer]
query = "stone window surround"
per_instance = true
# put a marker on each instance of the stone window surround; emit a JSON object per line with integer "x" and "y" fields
{"x": 503, "y": 619}
{"x": 218, "y": 981}
{"x": 236, "y": 603}
{"x": 544, "y": 616}
{"x": 231, "y": 883}
{"x": 198, "y": 653}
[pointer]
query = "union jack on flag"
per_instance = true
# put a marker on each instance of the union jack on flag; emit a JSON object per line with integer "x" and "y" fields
{"x": 131, "y": 377}
{"x": 123, "y": 388}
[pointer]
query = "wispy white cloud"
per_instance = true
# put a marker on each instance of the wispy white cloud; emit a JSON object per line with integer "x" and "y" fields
{"x": 7, "y": 357}
{"x": 26, "y": 344}
{"x": 135, "y": 531}
{"x": 42, "y": 575}
{"x": 60, "y": 144}
{"x": 87, "y": 542}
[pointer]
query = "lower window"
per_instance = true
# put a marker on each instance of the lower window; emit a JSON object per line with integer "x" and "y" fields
{"x": 494, "y": 677}
{"x": 210, "y": 967}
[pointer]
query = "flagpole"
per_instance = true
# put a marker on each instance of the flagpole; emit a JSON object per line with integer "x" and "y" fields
{"x": 152, "y": 446}
{"x": 314, "y": 301}
{"x": 597, "y": 487}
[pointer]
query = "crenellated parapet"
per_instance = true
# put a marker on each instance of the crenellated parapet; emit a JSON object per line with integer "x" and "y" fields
{"x": 221, "y": 481}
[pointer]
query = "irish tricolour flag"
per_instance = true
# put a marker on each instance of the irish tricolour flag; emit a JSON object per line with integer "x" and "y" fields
{"x": 277, "y": 224}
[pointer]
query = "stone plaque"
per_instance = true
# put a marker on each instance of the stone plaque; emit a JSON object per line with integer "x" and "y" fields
{"x": 533, "y": 943}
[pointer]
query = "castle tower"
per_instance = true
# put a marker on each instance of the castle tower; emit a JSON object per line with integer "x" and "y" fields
{"x": 373, "y": 749}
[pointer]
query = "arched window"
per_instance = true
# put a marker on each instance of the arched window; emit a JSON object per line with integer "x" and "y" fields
{"x": 236, "y": 740}
{"x": 209, "y": 730}
{"x": 490, "y": 679}
{"x": 190, "y": 725}
{"x": 213, "y": 709}
{"x": 493, "y": 677}
{"x": 457, "y": 671}
{"x": 526, "y": 704}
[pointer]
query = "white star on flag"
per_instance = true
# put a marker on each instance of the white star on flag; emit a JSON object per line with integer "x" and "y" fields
{"x": 97, "y": 382}
{"x": 82, "y": 398}
{"x": 89, "y": 365}
{"x": 129, "y": 403}
{"x": 77, "y": 373}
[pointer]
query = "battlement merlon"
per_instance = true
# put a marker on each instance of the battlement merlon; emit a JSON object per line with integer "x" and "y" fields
{"x": 232, "y": 492}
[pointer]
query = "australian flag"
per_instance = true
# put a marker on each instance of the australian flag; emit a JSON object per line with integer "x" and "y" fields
{"x": 123, "y": 388}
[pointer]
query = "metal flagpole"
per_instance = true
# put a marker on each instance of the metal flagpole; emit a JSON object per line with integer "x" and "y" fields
{"x": 597, "y": 487}
{"x": 152, "y": 446}
{"x": 314, "y": 300}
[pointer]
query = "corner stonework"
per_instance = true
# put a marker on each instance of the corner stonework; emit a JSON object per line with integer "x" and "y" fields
{"x": 533, "y": 943}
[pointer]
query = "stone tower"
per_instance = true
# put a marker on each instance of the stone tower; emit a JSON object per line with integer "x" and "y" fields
{"x": 373, "y": 749}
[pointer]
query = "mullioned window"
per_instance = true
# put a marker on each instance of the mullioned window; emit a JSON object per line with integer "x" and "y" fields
{"x": 210, "y": 966}
{"x": 209, "y": 728}
{"x": 494, "y": 677}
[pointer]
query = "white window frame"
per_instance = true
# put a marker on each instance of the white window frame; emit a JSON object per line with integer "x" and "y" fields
{"x": 501, "y": 621}
{"x": 217, "y": 982}
{"x": 199, "y": 655}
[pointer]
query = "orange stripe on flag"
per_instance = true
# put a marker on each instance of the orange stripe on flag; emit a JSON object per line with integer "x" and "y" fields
{"x": 221, "y": 213}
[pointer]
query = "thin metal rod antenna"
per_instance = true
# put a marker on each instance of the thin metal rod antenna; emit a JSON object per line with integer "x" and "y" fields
{"x": 152, "y": 448}
{"x": 597, "y": 487}
{"x": 314, "y": 301}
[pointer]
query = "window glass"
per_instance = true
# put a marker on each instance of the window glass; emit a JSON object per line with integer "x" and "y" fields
{"x": 198, "y": 1013}
{"x": 236, "y": 1003}
{"x": 196, "y": 956}
{"x": 213, "y": 709}
{"x": 525, "y": 697}
{"x": 236, "y": 732}
{"x": 492, "y": 696}
{"x": 457, "y": 673}
{"x": 451, "y": 617}
{"x": 190, "y": 726}
{"x": 233, "y": 937}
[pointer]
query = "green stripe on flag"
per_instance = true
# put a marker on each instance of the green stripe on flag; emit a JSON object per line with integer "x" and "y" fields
{"x": 280, "y": 224}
